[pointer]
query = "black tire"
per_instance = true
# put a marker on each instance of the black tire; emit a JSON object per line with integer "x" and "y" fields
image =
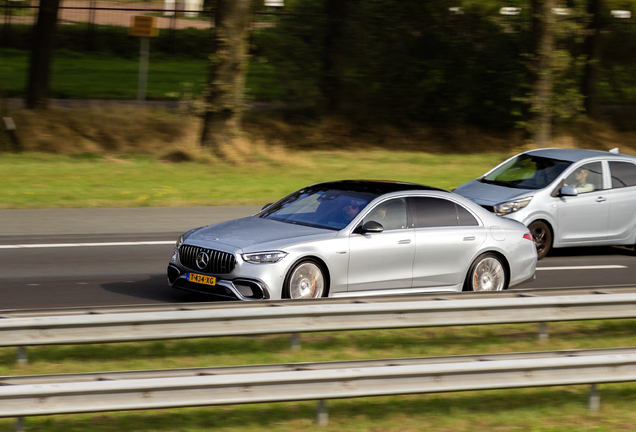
{"x": 306, "y": 280}
{"x": 542, "y": 236}
{"x": 487, "y": 273}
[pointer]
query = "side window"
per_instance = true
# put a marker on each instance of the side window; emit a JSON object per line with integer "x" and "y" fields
{"x": 438, "y": 212}
{"x": 623, "y": 174}
{"x": 391, "y": 214}
{"x": 465, "y": 217}
{"x": 586, "y": 178}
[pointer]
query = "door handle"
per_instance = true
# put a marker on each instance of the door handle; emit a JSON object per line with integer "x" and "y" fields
{"x": 601, "y": 199}
{"x": 405, "y": 241}
{"x": 471, "y": 238}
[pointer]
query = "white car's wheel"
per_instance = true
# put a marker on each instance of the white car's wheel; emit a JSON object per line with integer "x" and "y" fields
{"x": 305, "y": 281}
{"x": 487, "y": 273}
{"x": 542, "y": 237}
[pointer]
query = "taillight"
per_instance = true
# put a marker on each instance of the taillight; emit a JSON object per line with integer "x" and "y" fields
{"x": 528, "y": 236}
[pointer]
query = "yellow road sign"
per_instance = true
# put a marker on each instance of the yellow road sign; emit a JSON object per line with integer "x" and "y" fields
{"x": 143, "y": 26}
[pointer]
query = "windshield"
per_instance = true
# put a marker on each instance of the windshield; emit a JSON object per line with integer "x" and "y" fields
{"x": 321, "y": 208}
{"x": 527, "y": 172}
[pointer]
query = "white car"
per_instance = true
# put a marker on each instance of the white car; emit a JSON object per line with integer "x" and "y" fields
{"x": 567, "y": 197}
{"x": 355, "y": 238}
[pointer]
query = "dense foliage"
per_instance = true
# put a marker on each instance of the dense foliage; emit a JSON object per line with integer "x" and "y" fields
{"x": 405, "y": 61}
{"x": 422, "y": 61}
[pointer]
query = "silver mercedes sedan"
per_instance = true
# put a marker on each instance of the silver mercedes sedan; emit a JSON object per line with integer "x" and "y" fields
{"x": 567, "y": 197}
{"x": 355, "y": 238}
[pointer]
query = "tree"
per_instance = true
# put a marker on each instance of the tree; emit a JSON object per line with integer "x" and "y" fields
{"x": 332, "y": 53}
{"x": 591, "y": 49}
{"x": 226, "y": 83}
{"x": 40, "y": 66}
{"x": 543, "y": 31}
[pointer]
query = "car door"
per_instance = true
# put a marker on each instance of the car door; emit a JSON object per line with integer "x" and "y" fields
{"x": 622, "y": 201}
{"x": 382, "y": 260}
{"x": 447, "y": 236}
{"x": 584, "y": 218}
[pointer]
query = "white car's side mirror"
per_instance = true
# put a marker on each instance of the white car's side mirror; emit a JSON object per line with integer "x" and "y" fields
{"x": 568, "y": 191}
{"x": 369, "y": 227}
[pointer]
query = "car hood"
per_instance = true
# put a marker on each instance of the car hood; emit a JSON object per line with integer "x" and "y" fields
{"x": 250, "y": 231}
{"x": 489, "y": 194}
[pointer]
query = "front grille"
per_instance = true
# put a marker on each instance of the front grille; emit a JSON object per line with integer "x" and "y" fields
{"x": 220, "y": 262}
{"x": 489, "y": 208}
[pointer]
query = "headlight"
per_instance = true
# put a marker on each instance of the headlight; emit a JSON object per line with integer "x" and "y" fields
{"x": 264, "y": 257}
{"x": 175, "y": 255}
{"x": 511, "y": 206}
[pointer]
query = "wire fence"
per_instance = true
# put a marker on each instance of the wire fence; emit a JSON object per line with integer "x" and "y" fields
{"x": 170, "y": 15}
{"x": 445, "y": 58}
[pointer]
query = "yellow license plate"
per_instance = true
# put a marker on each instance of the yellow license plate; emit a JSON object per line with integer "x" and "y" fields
{"x": 202, "y": 279}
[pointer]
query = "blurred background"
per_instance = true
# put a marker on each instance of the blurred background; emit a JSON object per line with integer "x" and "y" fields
{"x": 446, "y": 64}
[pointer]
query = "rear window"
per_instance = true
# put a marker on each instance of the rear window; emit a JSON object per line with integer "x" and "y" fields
{"x": 623, "y": 174}
{"x": 437, "y": 212}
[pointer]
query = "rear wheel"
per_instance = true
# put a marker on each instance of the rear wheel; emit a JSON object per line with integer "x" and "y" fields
{"x": 542, "y": 237}
{"x": 487, "y": 273}
{"x": 306, "y": 281}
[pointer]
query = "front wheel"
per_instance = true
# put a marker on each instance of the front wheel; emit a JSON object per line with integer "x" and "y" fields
{"x": 542, "y": 237}
{"x": 486, "y": 274}
{"x": 305, "y": 281}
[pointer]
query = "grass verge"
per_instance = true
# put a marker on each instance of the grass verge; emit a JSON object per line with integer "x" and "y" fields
{"x": 127, "y": 157}
{"x": 57, "y": 181}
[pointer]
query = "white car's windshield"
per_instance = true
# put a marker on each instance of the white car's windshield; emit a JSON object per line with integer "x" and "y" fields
{"x": 313, "y": 206}
{"x": 527, "y": 172}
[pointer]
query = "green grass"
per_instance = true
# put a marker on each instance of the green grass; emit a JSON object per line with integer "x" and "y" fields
{"x": 56, "y": 181}
{"x": 100, "y": 76}
{"x": 535, "y": 409}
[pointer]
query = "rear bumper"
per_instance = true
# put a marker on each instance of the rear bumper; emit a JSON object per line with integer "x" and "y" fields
{"x": 524, "y": 268}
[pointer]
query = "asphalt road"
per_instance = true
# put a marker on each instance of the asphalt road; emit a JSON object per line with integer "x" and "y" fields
{"x": 98, "y": 257}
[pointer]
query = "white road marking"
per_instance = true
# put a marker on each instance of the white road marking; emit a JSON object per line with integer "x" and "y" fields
{"x": 597, "y": 267}
{"x": 57, "y": 245}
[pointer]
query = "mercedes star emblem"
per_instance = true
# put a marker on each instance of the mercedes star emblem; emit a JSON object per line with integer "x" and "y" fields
{"x": 203, "y": 259}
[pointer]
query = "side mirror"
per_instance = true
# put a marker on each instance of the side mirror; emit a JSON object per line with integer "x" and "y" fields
{"x": 568, "y": 191}
{"x": 266, "y": 205}
{"x": 369, "y": 227}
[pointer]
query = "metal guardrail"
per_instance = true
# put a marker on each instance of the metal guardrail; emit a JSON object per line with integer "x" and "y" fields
{"x": 286, "y": 367}
{"x": 33, "y": 396}
{"x": 309, "y": 317}
{"x": 164, "y": 307}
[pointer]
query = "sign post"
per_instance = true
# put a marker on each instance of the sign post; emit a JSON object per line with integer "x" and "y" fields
{"x": 144, "y": 27}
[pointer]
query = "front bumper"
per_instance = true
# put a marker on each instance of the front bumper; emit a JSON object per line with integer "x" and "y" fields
{"x": 237, "y": 289}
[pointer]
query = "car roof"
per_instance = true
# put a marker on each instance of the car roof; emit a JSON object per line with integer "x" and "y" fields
{"x": 573, "y": 155}
{"x": 377, "y": 187}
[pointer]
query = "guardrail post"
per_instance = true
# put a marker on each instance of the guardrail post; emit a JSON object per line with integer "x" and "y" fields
{"x": 322, "y": 417}
{"x": 295, "y": 341}
{"x": 594, "y": 399}
{"x": 543, "y": 331}
{"x": 19, "y": 424}
{"x": 21, "y": 356}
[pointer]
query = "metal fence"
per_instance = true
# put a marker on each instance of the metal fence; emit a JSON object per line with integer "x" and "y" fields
{"x": 266, "y": 318}
{"x": 119, "y": 391}
{"x": 116, "y": 391}
{"x": 170, "y": 15}
{"x": 174, "y": 15}
{"x": 292, "y": 71}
